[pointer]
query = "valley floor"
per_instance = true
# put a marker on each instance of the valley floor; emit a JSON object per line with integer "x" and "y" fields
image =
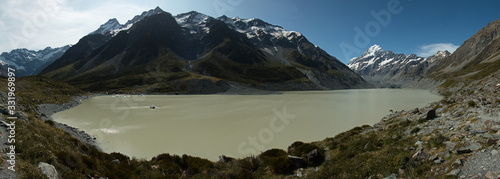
{"x": 462, "y": 140}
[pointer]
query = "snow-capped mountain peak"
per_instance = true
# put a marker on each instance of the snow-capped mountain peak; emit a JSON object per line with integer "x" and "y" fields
{"x": 144, "y": 14}
{"x": 442, "y": 53}
{"x": 109, "y": 26}
{"x": 113, "y": 26}
{"x": 193, "y": 18}
{"x": 373, "y": 50}
{"x": 378, "y": 64}
{"x": 197, "y": 23}
{"x": 257, "y": 28}
{"x": 29, "y": 62}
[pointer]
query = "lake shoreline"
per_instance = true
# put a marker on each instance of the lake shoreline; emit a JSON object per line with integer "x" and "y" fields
{"x": 47, "y": 110}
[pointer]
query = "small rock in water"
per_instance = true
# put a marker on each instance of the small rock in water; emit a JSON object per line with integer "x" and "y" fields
{"x": 415, "y": 111}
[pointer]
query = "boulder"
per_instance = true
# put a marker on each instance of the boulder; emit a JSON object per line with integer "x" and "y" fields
{"x": 299, "y": 172}
{"x": 492, "y": 175}
{"x": 313, "y": 155}
{"x": 439, "y": 160}
{"x": 392, "y": 176}
{"x": 431, "y": 114}
{"x": 49, "y": 170}
{"x": 464, "y": 151}
{"x": 454, "y": 172}
{"x": 492, "y": 141}
{"x": 433, "y": 157}
{"x": 297, "y": 161}
{"x": 457, "y": 163}
{"x": 225, "y": 159}
{"x": 421, "y": 155}
{"x": 494, "y": 152}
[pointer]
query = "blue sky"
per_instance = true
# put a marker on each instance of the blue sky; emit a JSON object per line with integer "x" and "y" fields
{"x": 415, "y": 26}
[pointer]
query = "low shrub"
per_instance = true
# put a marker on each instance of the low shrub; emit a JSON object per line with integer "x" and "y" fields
{"x": 437, "y": 141}
{"x": 472, "y": 103}
{"x": 301, "y": 149}
{"x": 281, "y": 165}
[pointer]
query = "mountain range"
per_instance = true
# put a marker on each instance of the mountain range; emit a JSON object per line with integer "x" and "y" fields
{"x": 29, "y": 62}
{"x": 388, "y": 69}
{"x": 476, "y": 58}
{"x": 196, "y": 53}
{"x": 157, "y": 52}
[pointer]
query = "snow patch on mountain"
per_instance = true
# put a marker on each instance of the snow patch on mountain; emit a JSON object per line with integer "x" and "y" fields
{"x": 27, "y": 62}
{"x": 385, "y": 64}
{"x": 372, "y": 50}
{"x": 113, "y": 27}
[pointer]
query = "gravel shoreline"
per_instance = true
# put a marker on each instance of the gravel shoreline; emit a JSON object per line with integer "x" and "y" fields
{"x": 47, "y": 110}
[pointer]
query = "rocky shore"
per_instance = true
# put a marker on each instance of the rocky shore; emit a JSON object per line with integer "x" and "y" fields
{"x": 467, "y": 122}
{"x": 47, "y": 110}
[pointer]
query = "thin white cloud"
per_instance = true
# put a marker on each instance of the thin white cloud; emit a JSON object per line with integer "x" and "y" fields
{"x": 41, "y": 23}
{"x": 429, "y": 50}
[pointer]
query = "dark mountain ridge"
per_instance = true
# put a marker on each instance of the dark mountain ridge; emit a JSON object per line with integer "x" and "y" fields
{"x": 162, "y": 52}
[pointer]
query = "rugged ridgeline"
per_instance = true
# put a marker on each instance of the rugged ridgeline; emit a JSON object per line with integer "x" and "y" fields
{"x": 29, "y": 62}
{"x": 194, "y": 53}
{"x": 457, "y": 137}
{"x": 388, "y": 69}
{"x": 475, "y": 59}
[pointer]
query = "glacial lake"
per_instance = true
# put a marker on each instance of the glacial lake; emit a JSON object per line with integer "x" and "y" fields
{"x": 233, "y": 125}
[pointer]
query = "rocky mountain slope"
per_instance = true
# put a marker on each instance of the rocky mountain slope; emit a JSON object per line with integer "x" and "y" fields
{"x": 388, "y": 69}
{"x": 457, "y": 137}
{"x": 29, "y": 62}
{"x": 163, "y": 53}
{"x": 476, "y": 58}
